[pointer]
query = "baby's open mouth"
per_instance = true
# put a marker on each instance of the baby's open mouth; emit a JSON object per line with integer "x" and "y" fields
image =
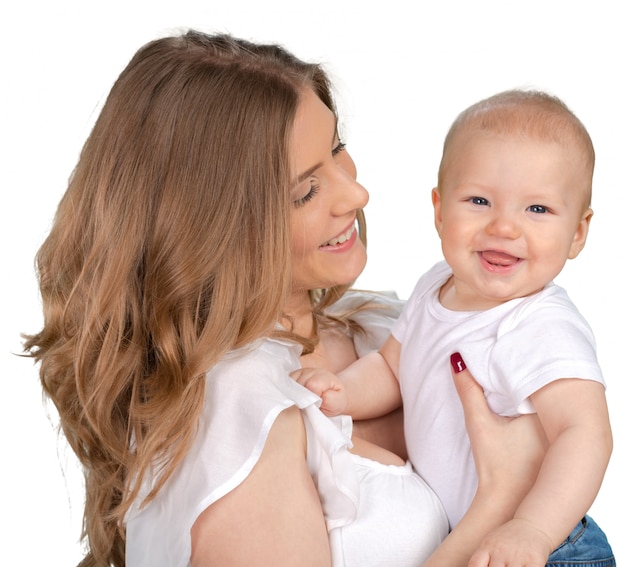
{"x": 496, "y": 258}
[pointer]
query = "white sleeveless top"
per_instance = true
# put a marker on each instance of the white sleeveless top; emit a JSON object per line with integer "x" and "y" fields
{"x": 377, "y": 515}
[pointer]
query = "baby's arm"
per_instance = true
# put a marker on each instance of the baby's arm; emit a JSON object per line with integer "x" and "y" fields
{"x": 365, "y": 389}
{"x": 574, "y": 415}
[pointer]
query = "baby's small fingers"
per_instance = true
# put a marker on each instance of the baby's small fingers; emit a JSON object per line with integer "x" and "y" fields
{"x": 302, "y": 375}
{"x": 309, "y": 380}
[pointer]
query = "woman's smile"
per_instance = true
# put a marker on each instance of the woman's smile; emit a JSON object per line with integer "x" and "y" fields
{"x": 326, "y": 248}
{"x": 343, "y": 241}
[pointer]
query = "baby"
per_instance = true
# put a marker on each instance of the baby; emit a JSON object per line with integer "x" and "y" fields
{"x": 511, "y": 206}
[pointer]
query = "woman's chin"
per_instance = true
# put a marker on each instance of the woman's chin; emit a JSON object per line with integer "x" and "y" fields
{"x": 349, "y": 274}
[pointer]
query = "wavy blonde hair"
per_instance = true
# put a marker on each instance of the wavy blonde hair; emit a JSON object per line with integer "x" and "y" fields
{"x": 170, "y": 247}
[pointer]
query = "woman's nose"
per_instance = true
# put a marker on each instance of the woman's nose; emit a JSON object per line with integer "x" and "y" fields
{"x": 350, "y": 194}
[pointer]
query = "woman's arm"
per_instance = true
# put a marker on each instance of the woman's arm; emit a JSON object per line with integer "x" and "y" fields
{"x": 276, "y": 510}
{"x": 508, "y": 453}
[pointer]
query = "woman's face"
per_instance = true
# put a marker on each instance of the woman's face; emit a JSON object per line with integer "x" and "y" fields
{"x": 326, "y": 249}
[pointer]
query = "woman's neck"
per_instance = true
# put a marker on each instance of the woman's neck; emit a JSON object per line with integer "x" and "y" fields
{"x": 299, "y": 314}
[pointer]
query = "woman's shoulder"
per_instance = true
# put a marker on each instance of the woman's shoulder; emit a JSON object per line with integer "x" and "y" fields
{"x": 265, "y": 364}
{"x": 244, "y": 395}
{"x": 368, "y": 301}
{"x": 374, "y": 312}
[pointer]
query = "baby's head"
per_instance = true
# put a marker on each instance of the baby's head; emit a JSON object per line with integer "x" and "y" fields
{"x": 530, "y": 114}
{"x": 512, "y": 202}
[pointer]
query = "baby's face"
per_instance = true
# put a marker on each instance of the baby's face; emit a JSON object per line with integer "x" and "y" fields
{"x": 511, "y": 210}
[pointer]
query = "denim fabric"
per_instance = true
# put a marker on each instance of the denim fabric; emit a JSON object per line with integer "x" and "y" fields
{"x": 586, "y": 546}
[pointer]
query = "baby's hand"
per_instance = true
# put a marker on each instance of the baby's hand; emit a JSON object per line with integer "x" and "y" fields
{"x": 326, "y": 385}
{"x": 514, "y": 544}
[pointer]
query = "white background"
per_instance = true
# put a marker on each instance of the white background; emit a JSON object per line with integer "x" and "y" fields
{"x": 403, "y": 70}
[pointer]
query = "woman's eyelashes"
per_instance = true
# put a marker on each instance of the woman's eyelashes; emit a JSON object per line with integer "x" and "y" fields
{"x": 314, "y": 188}
{"x": 338, "y": 148}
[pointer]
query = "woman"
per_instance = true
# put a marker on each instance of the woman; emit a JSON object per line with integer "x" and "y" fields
{"x": 212, "y": 221}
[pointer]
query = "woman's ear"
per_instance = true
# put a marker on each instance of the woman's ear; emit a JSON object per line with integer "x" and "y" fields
{"x": 580, "y": 236}
{"x": 436, "y": 199}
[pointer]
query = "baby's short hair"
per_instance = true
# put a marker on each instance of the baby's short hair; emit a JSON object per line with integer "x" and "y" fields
{"x": 532, "y": 113}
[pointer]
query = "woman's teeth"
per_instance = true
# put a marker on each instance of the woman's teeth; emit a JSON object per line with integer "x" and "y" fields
{"x": 341, "y": 238}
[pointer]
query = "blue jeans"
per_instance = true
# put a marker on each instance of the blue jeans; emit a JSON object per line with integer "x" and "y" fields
{"x": 586, "y": 546}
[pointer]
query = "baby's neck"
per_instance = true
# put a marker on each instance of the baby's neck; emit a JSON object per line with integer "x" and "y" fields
{"x": 453, "y": 299}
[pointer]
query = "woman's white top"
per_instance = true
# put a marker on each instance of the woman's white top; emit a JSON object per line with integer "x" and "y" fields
{"x": 377, "y": 515}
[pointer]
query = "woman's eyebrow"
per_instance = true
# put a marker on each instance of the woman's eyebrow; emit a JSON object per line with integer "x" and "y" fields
{"x": 307, "y": 173}
{"x": 302, "y": 176}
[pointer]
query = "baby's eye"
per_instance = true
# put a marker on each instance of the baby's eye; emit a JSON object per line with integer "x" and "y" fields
{"x": 479, "y": 201}
{"x": 537, "y": 209}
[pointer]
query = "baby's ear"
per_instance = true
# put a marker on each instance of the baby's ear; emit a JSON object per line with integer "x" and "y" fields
{"x": 580, "y": 236}
{"x": 436, "y": 199}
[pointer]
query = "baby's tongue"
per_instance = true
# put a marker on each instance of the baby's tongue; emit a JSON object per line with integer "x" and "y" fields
{"x": 498, "y": 258}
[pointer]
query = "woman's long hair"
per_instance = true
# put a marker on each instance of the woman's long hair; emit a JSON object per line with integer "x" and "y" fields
{"x": 169, "y": 248}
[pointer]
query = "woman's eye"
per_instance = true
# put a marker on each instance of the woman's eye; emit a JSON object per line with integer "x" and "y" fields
{"x": 538, "y": 209}
{"x": 479, "y": 201}
{"x": 339, "y": 148}
{"x": 304, "y": 200}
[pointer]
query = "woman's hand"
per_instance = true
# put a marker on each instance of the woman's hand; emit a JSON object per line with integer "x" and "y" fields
{"x": 508, "y": 453}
